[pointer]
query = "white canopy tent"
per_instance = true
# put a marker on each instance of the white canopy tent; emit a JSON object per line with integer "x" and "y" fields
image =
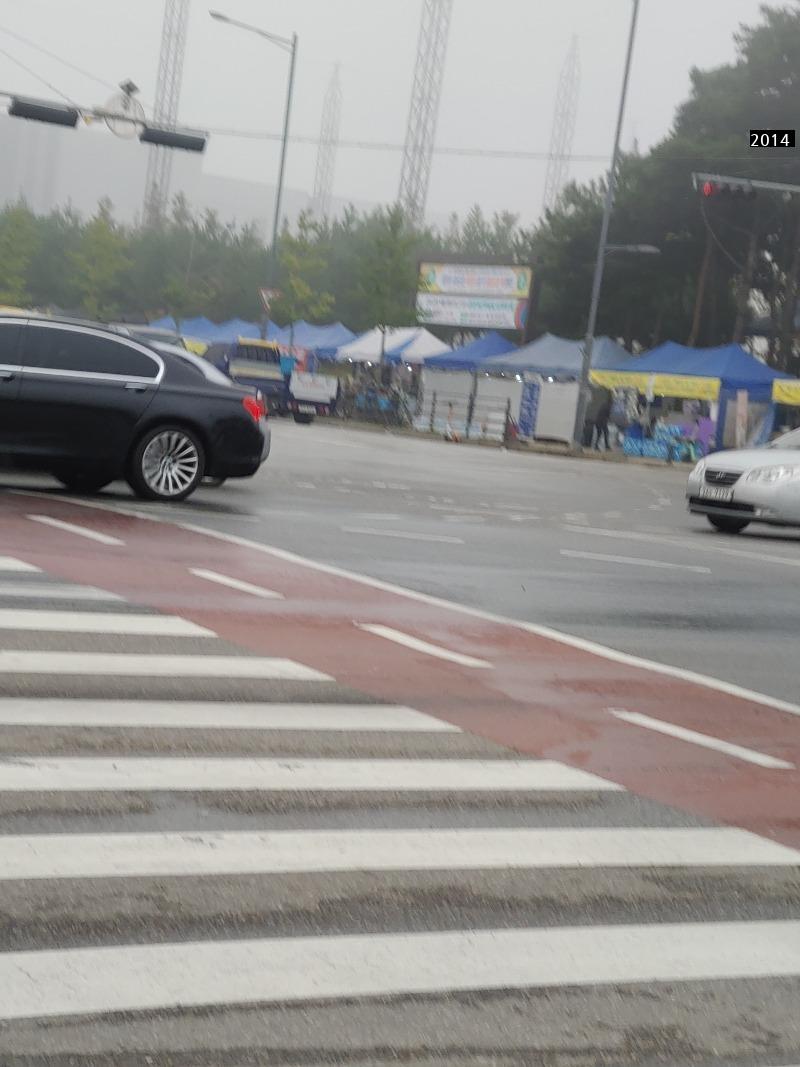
{"x": 404, "y": 344}
{"x": 368, "y": 347}
{"x": 421, "y": 347}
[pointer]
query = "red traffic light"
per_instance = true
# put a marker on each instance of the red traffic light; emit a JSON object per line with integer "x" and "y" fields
{"x": 728, "y": 190}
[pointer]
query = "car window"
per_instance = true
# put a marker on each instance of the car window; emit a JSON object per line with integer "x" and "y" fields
{"x": 257, "y": 354}
{"x": 203, "y": 368}
{"x": 74, "y": 350}
{"x": 9, "y": 343}
{"x": 216, "y": 351}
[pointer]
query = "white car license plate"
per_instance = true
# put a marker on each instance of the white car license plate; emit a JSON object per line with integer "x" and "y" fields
{"x": 715, "y": 492}
{"x": 306, "y": 409}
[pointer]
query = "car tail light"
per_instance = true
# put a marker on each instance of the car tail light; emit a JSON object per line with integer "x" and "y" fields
{"x": 255, "y": 407}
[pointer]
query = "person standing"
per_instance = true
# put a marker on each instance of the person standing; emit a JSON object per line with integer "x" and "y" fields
{"x": 601, "y": 418}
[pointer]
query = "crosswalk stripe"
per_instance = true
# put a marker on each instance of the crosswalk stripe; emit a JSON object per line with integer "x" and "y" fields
{"x": 40, "y": 591}
{"x": 192, "y": 974}
{"x": 9, "y": 563}
{"x": 131, "y": 855}
{"x": 371, "y": 718}
{"x": 91, "y": 622}
{"x": 309, "y": 775}
{"x": 126, "y": 664}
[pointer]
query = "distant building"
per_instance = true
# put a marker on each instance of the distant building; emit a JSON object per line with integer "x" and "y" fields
{"x": 51, "y": 167}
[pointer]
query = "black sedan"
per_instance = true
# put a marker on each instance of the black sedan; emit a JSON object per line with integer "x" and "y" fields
{"x": 90, "y": 405}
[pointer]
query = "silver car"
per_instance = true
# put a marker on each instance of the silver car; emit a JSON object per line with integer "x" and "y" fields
{"x": 733, "y": 489}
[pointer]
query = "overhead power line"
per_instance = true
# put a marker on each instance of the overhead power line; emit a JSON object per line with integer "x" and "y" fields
{"x": 38, "y": 77}
{"x": 59, "y": 59}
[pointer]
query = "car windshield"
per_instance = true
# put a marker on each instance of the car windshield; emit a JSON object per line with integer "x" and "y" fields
{"x": 787, "y": 440}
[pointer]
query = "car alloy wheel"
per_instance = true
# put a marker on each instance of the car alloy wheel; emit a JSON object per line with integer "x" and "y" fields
{"x": 167, "y": 464}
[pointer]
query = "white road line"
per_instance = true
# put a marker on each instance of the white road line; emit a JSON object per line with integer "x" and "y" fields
{"x": 749, "y": 755}
{"x": 612, "y": 655}
{"x": 305, "y": 485}
{"x": 236, "y": 583}
{"x": 48, "y": 591}
{"x": 155, "y": 714}
{"x": 703, "y": 543}
{"x": 100, "y": 774}
{"x": 81, "y": 531}
{"x": 417, "y": 645}
{"x": 368, "y": 530}
{"x": 634, "y": 561}
{"x": 143, "y": 855}
{"x": 86, "y": 981}
{"x": 127, "y": 664}
{"x": 95, "y": 622}
{"x": 9, "y": 563}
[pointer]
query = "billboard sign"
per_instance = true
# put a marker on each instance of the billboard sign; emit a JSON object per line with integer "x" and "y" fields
{"x": 485, "y": 297}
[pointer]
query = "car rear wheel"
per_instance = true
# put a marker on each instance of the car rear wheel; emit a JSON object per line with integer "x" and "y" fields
{"x": 85, "y": 480}
{"x": 304, "y": 420}
{"x": 166, "y": 464}
{"x": 726, "y": 525}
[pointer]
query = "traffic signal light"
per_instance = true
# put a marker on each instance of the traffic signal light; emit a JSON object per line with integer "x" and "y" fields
{"x": 727, "y": 191}
{"x": 25, "y": 107}
{"x": 166, "y": 137}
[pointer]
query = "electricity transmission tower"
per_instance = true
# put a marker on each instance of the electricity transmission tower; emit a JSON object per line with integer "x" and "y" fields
{"x": 326, "y": 152}
{"x": 168, "y": 93}
{"x": 424, "y": 111}
{"x": 563, "y": 130}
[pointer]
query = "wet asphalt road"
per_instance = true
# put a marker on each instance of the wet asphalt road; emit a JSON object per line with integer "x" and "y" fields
{"x": 600, "y": 550}
{"x": 606, "y": 551}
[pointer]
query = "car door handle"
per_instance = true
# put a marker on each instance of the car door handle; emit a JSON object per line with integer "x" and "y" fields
{"x": 7, "y": 375}
{"x": 135, "y": 387}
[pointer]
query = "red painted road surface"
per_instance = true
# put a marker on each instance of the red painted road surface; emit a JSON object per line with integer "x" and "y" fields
{"x": 541, "y": 697}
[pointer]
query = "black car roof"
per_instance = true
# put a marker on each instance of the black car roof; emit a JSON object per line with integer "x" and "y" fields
{"x": 63, "y": 320}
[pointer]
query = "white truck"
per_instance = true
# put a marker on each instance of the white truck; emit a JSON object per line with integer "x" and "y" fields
{"x": 311, "y": 394}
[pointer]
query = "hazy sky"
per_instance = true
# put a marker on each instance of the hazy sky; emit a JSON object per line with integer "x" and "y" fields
{"x": 503, "y": 62}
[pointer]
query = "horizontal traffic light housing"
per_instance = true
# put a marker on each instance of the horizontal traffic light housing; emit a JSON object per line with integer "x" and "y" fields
{"x": 26, "y": 107}
{"x": 727, "y": 191}
{"x": 167, "y": 137}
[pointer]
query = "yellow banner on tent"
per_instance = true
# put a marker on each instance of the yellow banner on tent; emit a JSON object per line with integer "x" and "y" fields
{"x": 786, "y": 391}
{"x": 686, "y": 387}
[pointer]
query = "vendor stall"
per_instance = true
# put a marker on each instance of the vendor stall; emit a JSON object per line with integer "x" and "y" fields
{"x": 732, "y": 389}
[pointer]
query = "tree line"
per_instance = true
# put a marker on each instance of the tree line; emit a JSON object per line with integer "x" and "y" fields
{"x": 722, "y": 263}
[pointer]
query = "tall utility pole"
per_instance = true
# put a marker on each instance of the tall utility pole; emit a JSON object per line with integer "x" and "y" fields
{"x": 597, "y": 281}
{"x": 563, "y": 130}
{"x": 423, "y": 113}
{"x": 168, "y": 93}
{"x": 328, "y": 141}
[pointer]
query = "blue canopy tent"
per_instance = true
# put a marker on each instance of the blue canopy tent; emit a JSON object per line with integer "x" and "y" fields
{"x": 557, "y": 357}
{"x": 473, "y": 355}
{"x": 323, "y": 341}
{"x": 204, "y": 329}
{"x": 201, "y": 328}
{"x": 711, "y": 374}
{"x": 730, "y": 366}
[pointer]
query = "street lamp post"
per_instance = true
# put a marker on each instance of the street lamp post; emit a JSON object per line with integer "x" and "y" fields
{"x": 597, "y": 282}
{"x": 287, "y": 44}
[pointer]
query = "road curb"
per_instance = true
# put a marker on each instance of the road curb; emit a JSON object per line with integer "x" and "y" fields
{"x": 538, "y": 448}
